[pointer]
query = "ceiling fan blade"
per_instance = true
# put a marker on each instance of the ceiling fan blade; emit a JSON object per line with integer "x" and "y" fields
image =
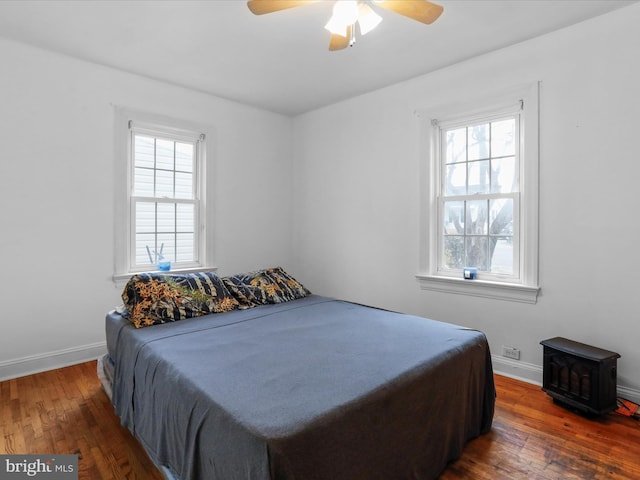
{"x": 420, "y": 10}
{"x": 338, "y": 42}
{"x": 258, "y": 7}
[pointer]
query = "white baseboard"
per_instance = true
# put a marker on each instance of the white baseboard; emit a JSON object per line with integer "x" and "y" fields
{"x": 531, "y": 373}
{"x": 527, "y": 372}
{"x": 20, "y": 367}
{"x": 629, "y": 393}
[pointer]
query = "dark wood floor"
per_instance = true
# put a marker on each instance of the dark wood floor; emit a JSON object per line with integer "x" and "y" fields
{"x": 533, "y": 438}
{"x": 66, "y": 411}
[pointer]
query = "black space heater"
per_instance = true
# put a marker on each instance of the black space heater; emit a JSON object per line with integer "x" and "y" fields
{"x": 580, "y": 376}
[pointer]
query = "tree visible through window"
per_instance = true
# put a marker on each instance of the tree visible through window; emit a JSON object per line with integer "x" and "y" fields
{"x": 479, "y": 196}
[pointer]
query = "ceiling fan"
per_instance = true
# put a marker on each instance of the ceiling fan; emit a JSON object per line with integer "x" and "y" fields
{"x": 348, "y": 13}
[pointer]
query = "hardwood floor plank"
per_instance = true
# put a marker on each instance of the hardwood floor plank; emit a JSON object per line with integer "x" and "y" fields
{"x": 66, "y": 411}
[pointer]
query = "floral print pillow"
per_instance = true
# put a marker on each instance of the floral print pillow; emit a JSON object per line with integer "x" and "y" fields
{"x": 271, "y": 285}
{"x": 155, "y": 298}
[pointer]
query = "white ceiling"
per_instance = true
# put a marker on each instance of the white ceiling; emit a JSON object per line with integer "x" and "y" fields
{"x": 278, "y": 61}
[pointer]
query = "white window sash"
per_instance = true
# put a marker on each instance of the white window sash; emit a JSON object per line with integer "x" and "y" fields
{"x": 134, "y": 267}
{"x": 496, "y": 277}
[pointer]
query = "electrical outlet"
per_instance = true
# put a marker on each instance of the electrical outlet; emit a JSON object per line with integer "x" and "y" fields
{"x": 511, "y": 352}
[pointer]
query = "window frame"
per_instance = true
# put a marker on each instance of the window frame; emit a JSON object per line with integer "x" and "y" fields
{"x": 128, "y": 124}
{"x": 521, "y": 288}
{"x": 441, "y": 129}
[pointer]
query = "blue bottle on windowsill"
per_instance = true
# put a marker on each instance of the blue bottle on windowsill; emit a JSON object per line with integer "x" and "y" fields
{"x": 469, "y": 273}
{"x": 164, "y": 266}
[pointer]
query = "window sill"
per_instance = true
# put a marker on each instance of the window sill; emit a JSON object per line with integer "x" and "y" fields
{"x": 121, "y": 279}
{"x": 480, "y": 288}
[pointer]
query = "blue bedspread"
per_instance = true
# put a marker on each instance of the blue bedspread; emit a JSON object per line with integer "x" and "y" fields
{"x": 310, "y": 389}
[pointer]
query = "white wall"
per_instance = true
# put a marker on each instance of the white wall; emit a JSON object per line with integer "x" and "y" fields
{"x": 57, "y": 196}
{"x": 356, "y": 194}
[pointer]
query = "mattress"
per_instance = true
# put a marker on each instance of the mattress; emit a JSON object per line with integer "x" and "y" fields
{"x": 311, "y": 389}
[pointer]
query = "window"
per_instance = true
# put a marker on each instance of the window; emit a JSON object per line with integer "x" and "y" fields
{"x": 163, "y": 219}
{"x": 481, "y": 195}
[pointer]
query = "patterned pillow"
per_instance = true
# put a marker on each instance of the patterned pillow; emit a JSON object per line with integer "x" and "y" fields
{"x": 271, "y": 285}
{"x": 155, "y": 298}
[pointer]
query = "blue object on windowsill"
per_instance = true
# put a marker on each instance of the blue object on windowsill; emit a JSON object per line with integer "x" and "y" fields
{"x": 164, "y": 266}
{"x": 469, "y": 273}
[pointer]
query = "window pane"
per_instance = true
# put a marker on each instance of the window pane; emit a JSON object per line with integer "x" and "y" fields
{"x": 166, "y": 217}
{"x": 502, "y": 255}
{"x": 143, "y": 182}
{"x": 453, "y": 251}
{"x": 185, "y": 251}
{"x": 164, "y": 154}
{"x": 456, "y": 181}
{"x": 185, "y": 218}
{"x": 184, "y": 157}
{"x": 478, "y": 177}
{"x": 145, "y": 248}
{"x": 503, "y": 175}
{"x": 456, "y": 145}
{"x": 477, "y": 218}
{"x": 184, "y": 185}
{"x": 478, "y": 141}
{"x": 166, "y": 247}
{"x": 143, "y": 152}
{"x": 503, "y": 135}
{"x": 164, "y": 184}
{"x": 453, "y": 221}
{"x": 145, "y": 217}
{"x": 477, "y": 253}
{"x": 501, "y": 216}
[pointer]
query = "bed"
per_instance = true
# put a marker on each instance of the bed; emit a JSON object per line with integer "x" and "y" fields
{"x": 312, "y": 388}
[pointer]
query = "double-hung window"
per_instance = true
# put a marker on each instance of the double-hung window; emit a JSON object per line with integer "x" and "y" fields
{"x": 481, "y": 199}
{"x": 163, "y": 223}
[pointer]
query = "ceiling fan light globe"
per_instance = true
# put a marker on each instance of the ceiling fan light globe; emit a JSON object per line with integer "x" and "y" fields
{"x": 336, "y": 27}
{"x": 367, "y": 18}
{"x": 346, "y": 11}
